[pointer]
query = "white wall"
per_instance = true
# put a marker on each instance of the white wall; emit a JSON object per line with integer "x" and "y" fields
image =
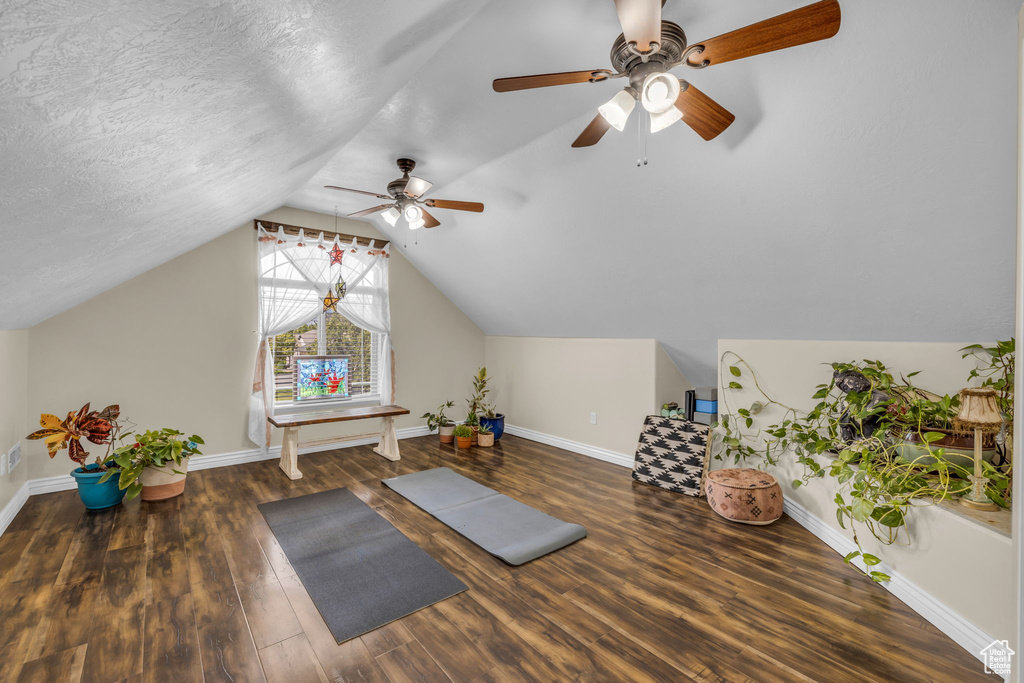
{"x": 552, "y": 385}
{"x": 174, "y": 346}
{"x": 13, "y": 392}
{"x": 965, "y": 566}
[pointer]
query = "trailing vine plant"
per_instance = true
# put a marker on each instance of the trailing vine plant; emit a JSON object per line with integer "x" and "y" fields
{"x": 872, "y": 433}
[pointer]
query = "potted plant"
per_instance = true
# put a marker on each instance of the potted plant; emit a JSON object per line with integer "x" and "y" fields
{"x": 463, "y": 436}
{"x": 484, "y": 436}
{"x": 99, "y": 427}
{"x": 440, "y": 422}
{"x": 156, "y": 464}
{"x": 484, "y": 410}
{"x": 473, "y": 422}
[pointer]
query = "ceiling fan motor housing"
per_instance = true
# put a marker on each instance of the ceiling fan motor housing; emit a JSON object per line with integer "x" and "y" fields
{"x": 673, "y": 44}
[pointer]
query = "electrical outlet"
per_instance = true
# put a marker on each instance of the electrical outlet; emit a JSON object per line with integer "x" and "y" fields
{"x": 593, "y": 418}
{"x": 3, "y": 465}
{"x": 14, "y": 456}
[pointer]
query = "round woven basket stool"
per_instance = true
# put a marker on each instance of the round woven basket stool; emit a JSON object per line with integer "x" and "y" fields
{"x": 744, "y": 495}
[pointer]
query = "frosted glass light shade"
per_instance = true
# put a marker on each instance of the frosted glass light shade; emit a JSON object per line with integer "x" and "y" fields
{"x": 417, "y": 186}
{"x": 391, "y": 216}
{"x": 417, "y": 225}
{"x": 616, "y": 111}
{"x": 665, "y": 119}
{"x": 413, "y": 214}
{"x": 659, "y": 92}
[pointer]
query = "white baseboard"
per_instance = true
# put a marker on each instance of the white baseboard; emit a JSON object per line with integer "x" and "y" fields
{"x": 13, "y": 506}
{"x": 65, "y": 482}
{"x": 574, "y": 446}
{"x": 962, "y": 632}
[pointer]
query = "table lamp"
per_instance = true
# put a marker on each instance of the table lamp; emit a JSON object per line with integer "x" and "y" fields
{"x": 978, "y": 412}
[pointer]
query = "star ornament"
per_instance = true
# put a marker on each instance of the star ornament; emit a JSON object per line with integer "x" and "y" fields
{"x": 336, "y": 255}
{"x": 331, "y": 302}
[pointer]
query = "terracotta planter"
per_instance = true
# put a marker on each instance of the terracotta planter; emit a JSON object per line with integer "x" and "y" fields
{"x": 160, "y": 483}
{"x": 464, "y": 441}
{"x": 485, "y": 440}
{"x": 446, "y": 433}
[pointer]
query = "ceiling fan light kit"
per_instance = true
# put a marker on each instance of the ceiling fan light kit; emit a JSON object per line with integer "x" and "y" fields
{"x": 649, "y": 47}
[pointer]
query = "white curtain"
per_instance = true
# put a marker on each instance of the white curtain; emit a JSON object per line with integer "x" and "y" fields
{"x": 295, "y": 274}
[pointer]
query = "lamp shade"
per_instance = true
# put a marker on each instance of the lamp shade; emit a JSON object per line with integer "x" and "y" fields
{"x": 391, "y": 216}
{"x": 659, "y": 92}
{"x": 665, "y": 119}
{"x": 417, "y": 186}
{"x": 617, "y": 110}
{"x": 413, "y": 213}
{"x": 978, "y": 410}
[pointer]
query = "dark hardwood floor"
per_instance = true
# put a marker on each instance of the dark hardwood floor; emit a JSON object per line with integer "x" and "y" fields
{"x": 661, "y": 590}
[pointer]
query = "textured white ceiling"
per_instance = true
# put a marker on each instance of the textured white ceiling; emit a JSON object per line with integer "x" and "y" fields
{"x": 131, "y": 132}
{"x": 866, "y": 190}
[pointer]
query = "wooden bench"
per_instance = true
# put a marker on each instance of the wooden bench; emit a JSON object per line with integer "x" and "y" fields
{"x": 388, "y": 446}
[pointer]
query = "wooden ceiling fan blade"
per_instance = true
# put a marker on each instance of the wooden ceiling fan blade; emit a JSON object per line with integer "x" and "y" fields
{"x": 545, "y": 80}
{"x": 641, "y": 22}
{"x": 349, "y": 189}
{"x": 799, "y": 27}
{"x": 476, "y": 207}
{"x": 593, "y": 133}
{"x": 428, "y": 220}
{"x": 707, "y": 117}
{"x": 367, "y": 212}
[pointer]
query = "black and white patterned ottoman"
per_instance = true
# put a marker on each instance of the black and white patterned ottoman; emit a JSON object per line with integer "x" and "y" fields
{"x": 672, "y": 454}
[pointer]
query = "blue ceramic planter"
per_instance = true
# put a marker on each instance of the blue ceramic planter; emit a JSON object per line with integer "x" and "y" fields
{"x": 97, "y": 496}
{"x": 496, "y": 423}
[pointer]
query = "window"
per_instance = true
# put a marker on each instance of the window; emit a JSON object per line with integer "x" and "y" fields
{"x": 329, "y": 334}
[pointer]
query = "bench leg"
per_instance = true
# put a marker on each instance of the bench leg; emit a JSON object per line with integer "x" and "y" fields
{"x": 290, "y": 453}
{"x": 388, "y": 446}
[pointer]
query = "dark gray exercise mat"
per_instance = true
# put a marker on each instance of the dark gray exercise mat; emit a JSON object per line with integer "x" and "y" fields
{"x": 360, "y": 571}
{"x": 502, "y": 526}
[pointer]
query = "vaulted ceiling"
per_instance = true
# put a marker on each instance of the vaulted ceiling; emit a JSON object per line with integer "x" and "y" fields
{"x": 866, "y": 191}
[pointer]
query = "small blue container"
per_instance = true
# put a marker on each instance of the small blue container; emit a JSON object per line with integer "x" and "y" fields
{"x": 706, "y": 406}
{"x": 496, "y": 423}
{"x": 97, "y": 496}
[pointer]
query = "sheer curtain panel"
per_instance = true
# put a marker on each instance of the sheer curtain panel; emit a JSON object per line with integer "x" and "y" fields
{"x": 296, "y": 272}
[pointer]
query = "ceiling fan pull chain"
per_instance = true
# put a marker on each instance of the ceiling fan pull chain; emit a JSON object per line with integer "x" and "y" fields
{"x": 646, "y": 128}
{"x": 639, "y": 134}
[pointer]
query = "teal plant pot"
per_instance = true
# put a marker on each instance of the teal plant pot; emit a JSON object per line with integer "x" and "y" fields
{"x": 94, "y": 495}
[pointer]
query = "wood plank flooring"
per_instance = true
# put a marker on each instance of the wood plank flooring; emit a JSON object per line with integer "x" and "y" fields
{"x": 197, "y": 588}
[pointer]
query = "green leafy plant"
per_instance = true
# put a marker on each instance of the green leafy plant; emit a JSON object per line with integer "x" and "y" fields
{"x": 483, "y": 429}
{"x": 478, "y": 399}
{"x": 161, "y": 448}
{"x": 855, "y": 435}
{"x": 464, "y": 431}
{"x": 438, "y": 419}
{"x": 472, "y": 419}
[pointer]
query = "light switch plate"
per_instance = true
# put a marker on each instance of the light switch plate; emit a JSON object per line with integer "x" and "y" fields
{"x": 3, "y": 465}
{"x": 14, "y": 456}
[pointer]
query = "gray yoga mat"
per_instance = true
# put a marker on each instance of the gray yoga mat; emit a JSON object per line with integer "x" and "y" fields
{"x": 360, "y": 571}
{"x": 502, "y": 526}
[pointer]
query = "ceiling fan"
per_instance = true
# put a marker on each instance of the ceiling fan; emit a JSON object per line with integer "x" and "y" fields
{"x": 405, "y": 200}
{"x": 648, "y": 48}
